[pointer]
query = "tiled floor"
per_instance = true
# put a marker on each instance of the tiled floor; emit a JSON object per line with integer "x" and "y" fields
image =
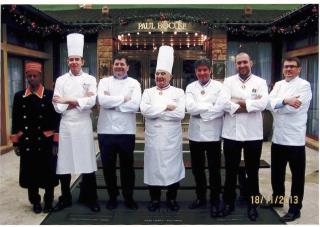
{"x": 15, "y": 208}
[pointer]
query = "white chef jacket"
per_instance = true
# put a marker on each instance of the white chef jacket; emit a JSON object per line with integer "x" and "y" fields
{"x": 163, "y": 163}
{"x": 76, "y": 146}
{"x": 289, "y": 124}
{"x": 244, "y": 126}
{"x": 206, "y": 109}
{"x": 117, "y": 116}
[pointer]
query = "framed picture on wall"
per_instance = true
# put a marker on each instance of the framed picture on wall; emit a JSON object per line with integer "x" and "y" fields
{"x": 219, "y": 69}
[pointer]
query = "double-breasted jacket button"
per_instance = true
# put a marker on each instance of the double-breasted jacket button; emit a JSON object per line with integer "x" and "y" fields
{"x": 27, "y": 149}
{"x": 24, "y": 116}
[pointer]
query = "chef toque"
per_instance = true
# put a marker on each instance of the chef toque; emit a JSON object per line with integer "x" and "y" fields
{"x": 165, "y": 59}
{"x": 75, "y": 43}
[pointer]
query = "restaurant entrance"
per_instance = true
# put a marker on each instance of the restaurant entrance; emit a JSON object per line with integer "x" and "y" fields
{"x": 141, "y": 42}
{"x": 142, "y": 65}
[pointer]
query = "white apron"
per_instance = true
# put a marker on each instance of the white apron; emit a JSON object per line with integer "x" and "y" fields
{"x": 76, "y": 145}
{"x": 163, "y": 161}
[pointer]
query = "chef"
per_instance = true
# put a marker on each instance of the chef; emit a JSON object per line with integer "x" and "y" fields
{"x": 204, "y": 102}
{"x": 243, "y": 129}
{"x": 33, "y": 124}
{"x": 163, "y": 107}
{"x": 289, "y": 101}
{"x": 74, "y": 96}
{"x": 119, "y": 98}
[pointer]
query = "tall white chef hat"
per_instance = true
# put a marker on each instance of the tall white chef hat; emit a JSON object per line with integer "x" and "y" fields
{"x": 165, "y": 59}
{"x": 75, "y": 43}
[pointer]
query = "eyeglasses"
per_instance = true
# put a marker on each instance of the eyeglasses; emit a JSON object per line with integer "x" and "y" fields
{"x": 290, "y": 66}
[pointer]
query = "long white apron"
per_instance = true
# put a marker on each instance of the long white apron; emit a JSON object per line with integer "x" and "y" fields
{"x": 163, "y": 161}
{"x": 76, "y": 145}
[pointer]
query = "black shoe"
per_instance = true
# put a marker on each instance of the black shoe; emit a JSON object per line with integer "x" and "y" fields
{"x": 269, "y": 204}
{"x": 215, "y": 211}
{"x": 112, "y": 204}
{"x": 131, "y": 204}
{"x": 173, "y": 205}
{"x": 37, "y": 208}
{"x": 198, "y": 203}
{"x": 154, "y": 205}
{"x": 47, "y": 208}
{"x": 61, "y": 205}
{"x": 252, "y": 213}
{"x": 227, "y": 210}
{"x": 291, "y": 216}
{"x": 94, "y": 206}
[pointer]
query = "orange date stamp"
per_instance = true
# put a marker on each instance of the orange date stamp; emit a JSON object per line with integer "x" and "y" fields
{"x": 274, "y": 199}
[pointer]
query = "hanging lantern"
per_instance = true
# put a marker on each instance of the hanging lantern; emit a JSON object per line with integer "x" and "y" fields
{"x": 13, "y": 8}
{"x": 247, "y": 11}
{"x": 105, "y": 10}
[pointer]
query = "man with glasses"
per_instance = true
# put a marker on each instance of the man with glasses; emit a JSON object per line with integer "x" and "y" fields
{"x": 289, "y": 101}
{"x": 33, "y": 124}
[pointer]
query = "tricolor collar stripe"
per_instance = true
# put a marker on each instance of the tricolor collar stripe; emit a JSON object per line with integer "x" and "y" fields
{"x": 207, "y": 84}
{"x": 244, "y": 81}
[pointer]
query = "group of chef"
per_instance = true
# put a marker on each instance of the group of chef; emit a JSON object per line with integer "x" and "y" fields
{"x": 230, "y": 111}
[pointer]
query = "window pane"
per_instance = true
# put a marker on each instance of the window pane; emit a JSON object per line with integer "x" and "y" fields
{"x": 260, "y": 53}
{"x": 188, "y": 73}
{"x": 313, "y": 113}
{"x": 15, "y": 70}
{"x": 89, "y": 55}
{"x": 135, "y": 70}
{"x": 152, "y": 68}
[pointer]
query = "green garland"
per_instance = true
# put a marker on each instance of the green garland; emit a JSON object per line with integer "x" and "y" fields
{"x": 254, "y": 31}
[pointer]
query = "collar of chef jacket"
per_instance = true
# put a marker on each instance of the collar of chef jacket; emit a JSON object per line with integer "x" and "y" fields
{"x": 293, "y": 80}
{"x": 80, "y": 73}
{"x": 125, "y": 77}
{"x": 38, "y": 92}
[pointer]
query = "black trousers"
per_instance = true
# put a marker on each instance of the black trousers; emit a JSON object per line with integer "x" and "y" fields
{"x": 232, "y": 153}
{"x": 34, "y": 197}
{"x": 199, "y": 151}
{"x": 110, "y": 146}
{"x": 88, "y": 188}
{"x": 172, "y": 191}
{"x": 296, "y": 157}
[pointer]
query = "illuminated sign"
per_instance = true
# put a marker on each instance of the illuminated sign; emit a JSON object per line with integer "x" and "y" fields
{"x": 162, "y": 26}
